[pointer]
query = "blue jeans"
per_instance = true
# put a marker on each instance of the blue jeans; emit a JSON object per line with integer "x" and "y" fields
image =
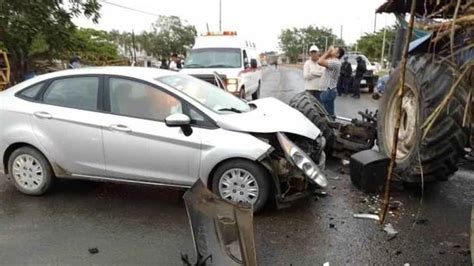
{"x": 327, "y": 99}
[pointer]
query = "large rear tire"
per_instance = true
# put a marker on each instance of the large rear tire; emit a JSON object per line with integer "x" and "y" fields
{"x": 315, "y": 111}
{"x": 427, "y": 83}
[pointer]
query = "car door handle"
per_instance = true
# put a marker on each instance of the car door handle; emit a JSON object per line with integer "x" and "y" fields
{"x": 43, "y": 115}
{"x": 121, "y": 128}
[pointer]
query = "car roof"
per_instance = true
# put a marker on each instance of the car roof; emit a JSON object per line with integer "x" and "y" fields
{"x": 137, "y": 72}
{"x": 127, "y": 71}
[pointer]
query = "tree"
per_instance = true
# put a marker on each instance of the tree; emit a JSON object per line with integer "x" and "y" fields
{"x": 371, "y": 43}
{"x": 294, "y": 41}
{"x": 168, "y": 35}
{"x": 94, "y": 45}
{"x": 41, "y": 22}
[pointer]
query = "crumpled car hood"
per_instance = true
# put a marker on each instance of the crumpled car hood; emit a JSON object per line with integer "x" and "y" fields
{"x": 271, "y": 116}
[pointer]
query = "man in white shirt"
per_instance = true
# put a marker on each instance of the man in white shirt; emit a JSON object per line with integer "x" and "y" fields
{"x": 312, "y": 73}
{"x": 175, "y": 63}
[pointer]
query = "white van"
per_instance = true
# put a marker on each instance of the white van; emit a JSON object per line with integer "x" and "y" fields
{"x": 234, "y": 59}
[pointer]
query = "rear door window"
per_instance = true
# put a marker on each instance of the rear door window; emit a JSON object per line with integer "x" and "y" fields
{"x": 76, "y": 92}
{"x": 32, "y": 92}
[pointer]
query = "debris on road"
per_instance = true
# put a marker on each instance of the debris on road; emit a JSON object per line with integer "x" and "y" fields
{"x": 392, "y": 233}
{"x": 366, "y": 216}
{"x": 395, "y": 205}
{"x": 94, "y": 250}
{"x": 421, "y": 221}
{"x": 389, "y": 229}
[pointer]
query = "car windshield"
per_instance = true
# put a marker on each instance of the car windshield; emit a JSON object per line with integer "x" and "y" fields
{"x": 214, "y": 58}
{"x": 207, "y": 94}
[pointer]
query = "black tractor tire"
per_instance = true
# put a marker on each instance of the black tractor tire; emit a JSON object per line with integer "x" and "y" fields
{"x": 429, "y": 80}
{"x": 316, "y": 113}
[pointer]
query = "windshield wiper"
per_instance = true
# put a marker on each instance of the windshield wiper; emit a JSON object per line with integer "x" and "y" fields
{"x": 192, "y": 65}
{"x": 213, "y": 66}
{"x": 232, "y": 109}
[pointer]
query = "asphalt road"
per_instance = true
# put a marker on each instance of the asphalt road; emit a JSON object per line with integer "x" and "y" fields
{"x": 148, "y": 225}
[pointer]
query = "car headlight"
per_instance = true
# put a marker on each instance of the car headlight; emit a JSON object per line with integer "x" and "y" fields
{"x": 301, "y": 160}
{"x": 232, "y": 85}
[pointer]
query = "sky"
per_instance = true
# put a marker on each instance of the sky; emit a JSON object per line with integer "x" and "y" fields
{"x": 258, "y": 20}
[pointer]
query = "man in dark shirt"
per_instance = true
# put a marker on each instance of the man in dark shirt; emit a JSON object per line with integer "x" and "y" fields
{"x": 360, "y": 71}
{"x": 345, "y": 77}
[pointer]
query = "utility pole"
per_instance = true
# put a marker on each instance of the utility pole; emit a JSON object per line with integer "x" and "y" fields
{"x": 220, "y": 15}
{"x": 383, "y": 45}
{"x": 375, "y": 22}
{"x": 326, "y": 46}
{"x": 341, "y": 34}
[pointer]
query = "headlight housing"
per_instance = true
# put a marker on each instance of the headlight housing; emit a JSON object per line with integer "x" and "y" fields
{"x": 301, "y": 160}
{"x": 232, "y": 85}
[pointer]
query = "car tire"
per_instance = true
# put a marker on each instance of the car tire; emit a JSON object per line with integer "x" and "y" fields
{"x": 428, "y": 80}
{"x": 30, "y": 171}
{"x": 236, "y": 171}
{"x": 242, "y": 93}
{"x": 256, "y": 94}
{"x": 370, "y": 86}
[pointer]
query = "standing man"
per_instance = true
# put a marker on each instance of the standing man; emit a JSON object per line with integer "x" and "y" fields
{"x": 331, "y": 61}
{"x": 346, "y": 75}
{"x": 360, "y": 71}
{"x": 312, "y": 73}
{"x": 175, "y": 63}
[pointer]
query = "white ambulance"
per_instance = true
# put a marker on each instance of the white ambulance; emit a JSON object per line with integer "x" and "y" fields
{"x": 234, "y": 59}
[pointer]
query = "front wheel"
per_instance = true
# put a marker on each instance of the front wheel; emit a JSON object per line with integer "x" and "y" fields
{"x": 30, "y": 172}
{"x": 242, "y": 181}
{"x": 256, "y": 94}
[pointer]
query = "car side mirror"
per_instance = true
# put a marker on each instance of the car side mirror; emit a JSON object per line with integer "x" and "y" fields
{"x": 180, "y": 120}
{"x": 253, "y": 63}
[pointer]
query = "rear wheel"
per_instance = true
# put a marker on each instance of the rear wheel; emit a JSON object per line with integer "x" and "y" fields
{"x": 30, "y": 172}
{"x": 242, "y": 181}
{"x": 427, "y": 83}
{"x": 315, "y": 111}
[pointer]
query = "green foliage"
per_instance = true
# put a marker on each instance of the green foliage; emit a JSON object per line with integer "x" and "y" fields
{"x": 168, "y": 35}
{"x": 293, "y": 41}
{"x": 31, "y": 27}
{"x": 371, "y": 43}
{"x": 94, "y": 45}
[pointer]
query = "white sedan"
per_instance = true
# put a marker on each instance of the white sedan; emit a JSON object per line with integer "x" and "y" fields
{"x": 149, "y": 126}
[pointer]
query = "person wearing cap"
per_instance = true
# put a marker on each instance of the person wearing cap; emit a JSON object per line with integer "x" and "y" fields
{"x": 312, "y": 73}
{"x": 175, "y": 63}
{"x": 328, "y": 84}
{"x": 360, "y": 71}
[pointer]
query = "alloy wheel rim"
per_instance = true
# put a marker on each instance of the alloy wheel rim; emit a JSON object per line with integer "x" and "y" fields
{"x": 238, "y": 185}
{"x": 28, "y": 172}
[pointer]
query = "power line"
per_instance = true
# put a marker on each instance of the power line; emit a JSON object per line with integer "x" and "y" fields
{"x": 130, "y": 8}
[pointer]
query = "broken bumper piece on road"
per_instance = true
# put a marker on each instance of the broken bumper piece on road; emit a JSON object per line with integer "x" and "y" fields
{"x": 222, "y": 231}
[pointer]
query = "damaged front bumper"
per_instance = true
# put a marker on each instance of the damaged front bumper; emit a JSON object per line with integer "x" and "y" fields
{"x": 294, "y": 171}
